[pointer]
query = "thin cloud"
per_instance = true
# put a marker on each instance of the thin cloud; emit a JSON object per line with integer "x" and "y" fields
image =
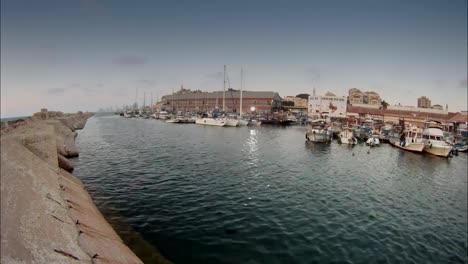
{"x": 463, "y": 83}
{"x": 56, "y": 91}
{"x": 214, "y": 75}
{"x": 130, "y": 60}
{"x": 147, "y": 82}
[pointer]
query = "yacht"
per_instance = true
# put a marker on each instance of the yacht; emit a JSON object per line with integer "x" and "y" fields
{"x": 208, "y": 121}
{"x": 319, "y": 132}
{"x": 413, "y": 140}
{"x": 434, "y": 140}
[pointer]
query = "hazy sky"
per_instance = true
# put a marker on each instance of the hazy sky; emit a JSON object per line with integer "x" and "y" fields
{"x": 81, "y": 55}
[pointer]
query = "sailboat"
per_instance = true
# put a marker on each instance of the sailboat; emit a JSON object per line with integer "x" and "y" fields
{"x": 230, "y": 122}
{"x": 241, "y": 121}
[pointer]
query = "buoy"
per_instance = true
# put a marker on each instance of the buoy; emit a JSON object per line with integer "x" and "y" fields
{"x": 353, "y": 153}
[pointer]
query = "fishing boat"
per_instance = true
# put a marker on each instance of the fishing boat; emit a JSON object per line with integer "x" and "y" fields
{"x": 347, "y": 137}
{"x": 319, "y": 132}
{"x": 434, "y": 141}
{"x": 410, "y": 140}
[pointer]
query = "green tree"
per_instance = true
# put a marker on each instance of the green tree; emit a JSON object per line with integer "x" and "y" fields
{"x": 384, "y": 104}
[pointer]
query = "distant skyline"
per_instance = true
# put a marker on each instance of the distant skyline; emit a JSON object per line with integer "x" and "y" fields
{"x": 85, "y": 55}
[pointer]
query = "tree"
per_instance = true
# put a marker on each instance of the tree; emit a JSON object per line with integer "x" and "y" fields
{"x": 303, "y": 96}
{"x": 287, "y": 103}
{"x": 384, "y": 104}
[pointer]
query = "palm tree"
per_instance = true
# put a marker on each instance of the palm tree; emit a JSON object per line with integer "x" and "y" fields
{"x": 384, "y": 104}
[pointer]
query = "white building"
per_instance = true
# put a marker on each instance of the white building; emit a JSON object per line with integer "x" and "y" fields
{"x": 328, "y": 105}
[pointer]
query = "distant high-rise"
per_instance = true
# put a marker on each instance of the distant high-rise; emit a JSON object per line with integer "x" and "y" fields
{"x": 424, "y": 102}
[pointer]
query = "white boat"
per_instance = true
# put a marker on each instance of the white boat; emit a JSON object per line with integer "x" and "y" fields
{"x": 255, "y": 122}
{"x": 230, "y": 122}
{"x": 172, "y": 120}
{"x": 319, "y": 132}
{"x": 434, "y": 141}
{"x": 412, "y": 141}
{"x": 243, "y": 122}
{"x": 163, "y": 115}
{"x": 128, "y": 115}
{"x": 347, "y": 137}
{"x": 373, "y": 141}
{"x": 207, "y": 121}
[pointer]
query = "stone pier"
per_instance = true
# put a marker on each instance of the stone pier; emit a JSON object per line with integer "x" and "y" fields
{"x": 46, "y": 214}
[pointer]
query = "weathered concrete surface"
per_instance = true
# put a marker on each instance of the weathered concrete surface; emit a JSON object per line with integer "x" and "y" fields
{"x": 46, "y": 215}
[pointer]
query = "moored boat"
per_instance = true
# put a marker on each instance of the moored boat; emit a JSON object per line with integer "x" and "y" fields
{"x": 410, "y": 140}
{"x": 373, "y": 141}
{"x": 347, "y": 137}
{"x": 208, "y": 121}
{"x": 319, "y": 132}
{"x": 434, "y": 141}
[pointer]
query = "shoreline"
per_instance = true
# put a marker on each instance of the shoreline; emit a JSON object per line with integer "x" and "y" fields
{"x": 46, "y": 214}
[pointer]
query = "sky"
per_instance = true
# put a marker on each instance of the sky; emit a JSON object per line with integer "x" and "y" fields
{"x": 72, "y": 55}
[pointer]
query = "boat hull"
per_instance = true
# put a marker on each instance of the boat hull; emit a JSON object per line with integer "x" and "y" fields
{"x": 243, "y": 123}
{"x": 441, "y": 151}
{"x": 210, "y": 122}
{"x": 255, "y": 123}
{"x": 231, "y": 122}
{"x": 318, "y": 137}
{"x": 414, "y": 147}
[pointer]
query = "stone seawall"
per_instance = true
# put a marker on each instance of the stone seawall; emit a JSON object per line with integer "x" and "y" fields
{"x": 46, "y": 214}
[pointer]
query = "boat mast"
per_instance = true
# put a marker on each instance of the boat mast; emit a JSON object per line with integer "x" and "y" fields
{"x": 224, "y": 90}
{"x": 173, "y": 107}
{"x": 136, "y": 98}
{"x": 240, "y": 108}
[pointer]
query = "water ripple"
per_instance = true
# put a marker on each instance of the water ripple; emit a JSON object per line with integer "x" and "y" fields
{"x": 264, "y": 195}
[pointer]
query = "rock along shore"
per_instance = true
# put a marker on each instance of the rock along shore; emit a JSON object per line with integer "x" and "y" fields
{"x": 46, "y": 214}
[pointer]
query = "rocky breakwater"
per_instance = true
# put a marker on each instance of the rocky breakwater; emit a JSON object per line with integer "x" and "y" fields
{"x": 46, "y": 214}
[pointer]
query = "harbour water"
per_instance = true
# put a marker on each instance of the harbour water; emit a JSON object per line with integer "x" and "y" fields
{"x": 264, "y": 195}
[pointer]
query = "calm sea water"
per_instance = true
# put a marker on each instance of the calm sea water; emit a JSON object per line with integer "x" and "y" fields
{"x": 263, "y": 195}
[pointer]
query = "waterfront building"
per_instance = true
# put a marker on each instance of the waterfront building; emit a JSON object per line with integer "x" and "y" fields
{"x": 328, "y": 105}
{"x": 198, "y": 101}
{"x": 424, "y": 102}
{"x": 437, "y": 106}
{"x": 414, "y": 115}
{"x": 298, "y": 102}
{"x": 372, "y": 98}
{"x": 356, "y": 96}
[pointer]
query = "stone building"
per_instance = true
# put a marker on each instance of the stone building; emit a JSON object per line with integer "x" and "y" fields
{"x": 424, "y": 102}
{"x": 298, "y": 102}
{"x": 198, "y": 101}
